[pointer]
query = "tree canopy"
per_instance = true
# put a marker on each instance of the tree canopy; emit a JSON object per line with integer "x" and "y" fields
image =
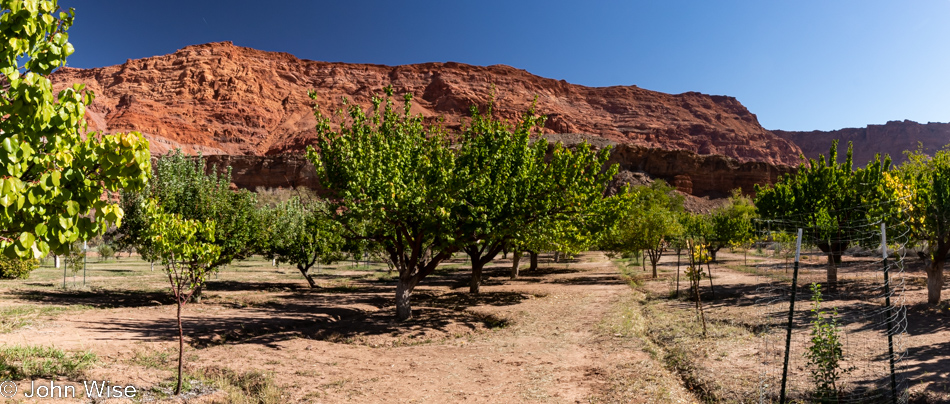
{"x": 649, "y": 222}
{"x": 391, "y": 178}
{"x": 52, "y": 174}
{"x": 828, "y": 199}
{"x": 401, "y": 185}
{"x": 182, "y": 186}
{"x": 301, "y": 233}
{"x": 922, "y": 188}
{"x": 508, "y": 185}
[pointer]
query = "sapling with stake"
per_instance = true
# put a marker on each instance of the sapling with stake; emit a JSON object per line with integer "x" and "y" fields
{"x": 186, "y": 248}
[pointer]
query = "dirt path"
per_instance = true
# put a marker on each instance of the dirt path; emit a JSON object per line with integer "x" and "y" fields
{"x": 543, "y": 338}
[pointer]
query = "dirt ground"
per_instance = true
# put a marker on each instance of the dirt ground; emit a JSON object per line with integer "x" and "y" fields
{"x": 541, "y": 338}
{"x": 571, "y": 332}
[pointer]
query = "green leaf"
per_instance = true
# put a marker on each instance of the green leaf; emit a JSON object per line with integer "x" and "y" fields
{"x": 8, "y": 145}
{"x": 72, "y": 208}
{"x": 26, "y": 239}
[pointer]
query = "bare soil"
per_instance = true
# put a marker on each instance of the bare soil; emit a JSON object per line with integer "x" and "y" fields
{"x": 586, "y": 330}
{"x": 541, "y": 338}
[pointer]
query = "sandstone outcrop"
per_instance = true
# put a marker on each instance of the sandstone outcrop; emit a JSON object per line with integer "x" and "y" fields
{"x": 221, "y": 99}
{"x": 891, "y": 138}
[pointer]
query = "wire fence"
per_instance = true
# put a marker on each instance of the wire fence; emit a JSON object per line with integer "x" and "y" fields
{"x": 861, "y": 282}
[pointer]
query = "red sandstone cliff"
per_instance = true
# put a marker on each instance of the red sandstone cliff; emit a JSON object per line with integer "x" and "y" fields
{"x": 891, "y": 138}
{"x": 223, "y": 99}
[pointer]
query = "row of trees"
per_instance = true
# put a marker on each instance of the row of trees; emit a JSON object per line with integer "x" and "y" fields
{"x": 654, "y": 221}
{"x": 419, "y": 195}
{"x": 835, "y": 203}
{"x": 399, "y": 189}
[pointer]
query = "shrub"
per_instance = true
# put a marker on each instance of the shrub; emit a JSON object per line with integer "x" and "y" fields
{"x": 106, "y": 252}
{"x": 825, "y": 354}
{"x": 17, "y": 268}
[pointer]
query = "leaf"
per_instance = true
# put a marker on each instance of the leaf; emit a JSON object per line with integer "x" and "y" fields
{"x": 8, "y": 145}
{"x": 26, "y": 239}
{"x": 72, "y": 208}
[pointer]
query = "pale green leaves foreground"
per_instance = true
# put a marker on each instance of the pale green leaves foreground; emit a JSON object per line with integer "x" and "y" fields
{"x": 185, "y": 246}
{"x": 52, "y": 177}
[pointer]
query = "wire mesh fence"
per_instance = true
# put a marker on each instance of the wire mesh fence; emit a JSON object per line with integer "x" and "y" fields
{"x": 856, "y": 357}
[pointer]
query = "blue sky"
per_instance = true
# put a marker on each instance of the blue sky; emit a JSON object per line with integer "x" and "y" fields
{"x": 798, "y": 65}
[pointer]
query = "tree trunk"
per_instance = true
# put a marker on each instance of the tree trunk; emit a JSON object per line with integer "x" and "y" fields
{"x": 712, "y": 253}
{"x": 934, "y": 281}
{"x": 655, "y": 259}
{"x": 534, "y": 261}
{"x": 151, "y": 266}
{"x": 834, "y": 250}
{"x": 476, "y": 280}
{"x": 677, "y": 273}
{"x": 557, "y": 256}
{"x": 306, "y": 274}
{"x": 833, "y": 271}
{"x": 181, "y": 347}
{"x": 196, "y": 296}
{"x": 403, "y": 293}
{"x": 515, "y": 263}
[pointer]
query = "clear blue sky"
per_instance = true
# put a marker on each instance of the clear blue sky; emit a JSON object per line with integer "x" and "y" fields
{"x": 798, "y": 65}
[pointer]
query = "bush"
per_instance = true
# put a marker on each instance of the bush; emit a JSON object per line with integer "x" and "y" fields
{"x": 16, "y": 268}
{"x": 106, "y": 252}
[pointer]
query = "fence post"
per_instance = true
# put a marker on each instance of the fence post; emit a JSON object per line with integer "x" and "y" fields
{"x": 890, "y": 314}
{"x": 791, "y": 314}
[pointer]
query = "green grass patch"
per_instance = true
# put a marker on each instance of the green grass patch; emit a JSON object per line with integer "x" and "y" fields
{"x": 15, "y": 317}
{"x": 19, "y": 362}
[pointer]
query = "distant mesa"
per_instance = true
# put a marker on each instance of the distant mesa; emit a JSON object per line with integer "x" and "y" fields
{"x": 225, "y": 99}
{"x": 222, "y": 99}
{"x": 891, "y": 138}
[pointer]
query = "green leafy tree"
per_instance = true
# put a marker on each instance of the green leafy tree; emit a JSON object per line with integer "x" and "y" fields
{"x": 785, "y": 245}
{"x": 830, "y": 200}
{"x": 507, "y": 185}
{"x": 106, "y": 252}
{"x": 52, "y": 174}
{"x": 650, "y": 223}
{"x": 392, "y": 181}
{"x": 17, "y": 268}
{"x": 302, "y": 234}
{"x": 182, "y": 186}
{"x": 730, "y": 224}
{"x": 132, "y": 235}
{"x": 922, "y": 188}
{"x": 186, "y": 248}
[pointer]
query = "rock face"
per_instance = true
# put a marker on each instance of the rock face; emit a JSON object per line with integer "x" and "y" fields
{"x": 891, "y": 138}
{"x": 221, "y": 99}
{"x": 278, "y": 171}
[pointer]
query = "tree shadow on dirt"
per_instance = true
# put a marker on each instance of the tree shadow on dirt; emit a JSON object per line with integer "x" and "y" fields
{"x": 347, "y": 316}
{"x": 927, "y": 364}
{"x": 545, "y": 271}
{"x": 98, "y": 298}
